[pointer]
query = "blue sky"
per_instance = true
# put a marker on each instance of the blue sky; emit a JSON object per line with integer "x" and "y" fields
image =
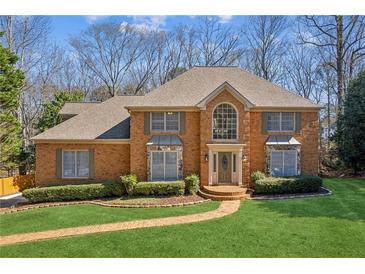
{"x": 64, "y": 26}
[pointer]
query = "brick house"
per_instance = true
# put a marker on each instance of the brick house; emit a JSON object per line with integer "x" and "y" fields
{"x": 222, "y": 123}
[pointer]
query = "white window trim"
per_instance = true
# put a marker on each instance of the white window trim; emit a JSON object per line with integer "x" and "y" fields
{"x": 76, "y": 177}
{"x": 237, "y": 123}
{"x": 164, "y": 164}
{"x": 282, "y": 151}
{"x": 164, "y": 122}
{"x": 280, "y": 120}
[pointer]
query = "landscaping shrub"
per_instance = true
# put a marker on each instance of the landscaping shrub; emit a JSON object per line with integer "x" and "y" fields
{"x": 68, "y": 192}
{"x": 192, "y": 184}
{"x": 257, "y": 175}
{"x": 116, "y": 188}
{"x": 160, "y": 188}
{"x": 128, "y": 182}
{"x": 278, "y": 185}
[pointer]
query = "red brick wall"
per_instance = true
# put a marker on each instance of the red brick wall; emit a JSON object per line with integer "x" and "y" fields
{"x": 110, "y": 161}
{"x": 190, "y": 140}
{"x": 308, "y": 137}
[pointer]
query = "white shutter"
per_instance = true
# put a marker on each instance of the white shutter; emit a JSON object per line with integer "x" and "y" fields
{"x": 276, "y": 163}
{"x": 290, "y": 163}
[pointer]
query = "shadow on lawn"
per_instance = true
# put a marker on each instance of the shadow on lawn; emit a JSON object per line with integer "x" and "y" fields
{"x": 346, "y": 202}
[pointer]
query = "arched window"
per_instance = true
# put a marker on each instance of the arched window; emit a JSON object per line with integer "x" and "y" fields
{"x": 224, "y": 122}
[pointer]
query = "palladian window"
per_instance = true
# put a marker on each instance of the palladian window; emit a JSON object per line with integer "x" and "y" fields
{"x": 224, "y": 122}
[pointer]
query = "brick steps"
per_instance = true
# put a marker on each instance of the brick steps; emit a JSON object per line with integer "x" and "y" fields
{"x": 224, "y": 192}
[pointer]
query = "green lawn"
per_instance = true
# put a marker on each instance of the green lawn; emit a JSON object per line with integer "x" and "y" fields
{"x": 331, "y": 226}
{"x": 81, "y": 215}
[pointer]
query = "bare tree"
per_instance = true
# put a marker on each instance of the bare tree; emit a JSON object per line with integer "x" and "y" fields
{"x": 217, "y": 44}
{"x": 343, "y": 38}
{"x": 26, "y": 36}
{"x": 109, "y": 50}
{"x": 302, "y": 70}
{"x": 266, "y": 45}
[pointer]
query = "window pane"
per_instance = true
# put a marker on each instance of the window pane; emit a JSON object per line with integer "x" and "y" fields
{"x": 276, "y": 163}
{"x": 214, "y": 162}
{"x": 224, "y": 122}
{"x": 171, "y": 166}
{"x": 273, "y": 121}
{"x": 172, "y": 121}
{"x": 287, "y": 121}
{"x": 290, "y": 168}
{"x": 69, "y": 164}
{"x": 157, "y": 166}
{"x": 82, "y": 164}
{"x": 234, "y": 162}
{"x": 158, "y": 121}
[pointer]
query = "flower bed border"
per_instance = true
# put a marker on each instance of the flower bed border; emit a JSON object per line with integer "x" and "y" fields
{"x": 325, "y": 192}
{"x": 95, "y": 202}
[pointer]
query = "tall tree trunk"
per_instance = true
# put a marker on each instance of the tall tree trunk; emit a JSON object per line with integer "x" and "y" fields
{"x": 339, "y": 60}
{"x": 328, "y": 116}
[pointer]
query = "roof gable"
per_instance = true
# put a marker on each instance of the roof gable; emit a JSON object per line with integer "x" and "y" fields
{"x": 225, "y": 87}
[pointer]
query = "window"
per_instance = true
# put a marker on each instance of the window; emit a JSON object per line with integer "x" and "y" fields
{"x": 224, "y": 123}
{"x": 164, "y": 121}
{"x": 283, "y": 163}
{"x": 163, "y": 165}
{"x": 234, "y": 162}
{"x": 280, "y": 121}
{"x": 214, "y": 162}
{"x": 75, "y": 164}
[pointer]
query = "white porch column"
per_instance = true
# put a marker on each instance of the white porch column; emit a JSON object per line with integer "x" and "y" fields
{"x": 210, "y": 167}
{"x": 240, "y": 167}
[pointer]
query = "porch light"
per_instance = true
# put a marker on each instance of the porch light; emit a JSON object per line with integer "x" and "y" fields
{"x": 244, "y": 158}
{"x": 206, "y": 157}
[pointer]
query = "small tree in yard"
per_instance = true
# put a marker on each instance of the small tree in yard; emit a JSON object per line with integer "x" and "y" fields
{"x": 50, "y": 116}
{"x": 11, "y": 80}
{"x": 350, "y": 136}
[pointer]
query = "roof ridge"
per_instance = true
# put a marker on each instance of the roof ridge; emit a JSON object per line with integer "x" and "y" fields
{"x": 282, "y": 89}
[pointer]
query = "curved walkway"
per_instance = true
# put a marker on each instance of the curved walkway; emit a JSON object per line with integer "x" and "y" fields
{"x": 225, "y": 208}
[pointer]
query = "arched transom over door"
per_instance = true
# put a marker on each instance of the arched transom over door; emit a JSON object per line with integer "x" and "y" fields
{"x": 224, "y": 126}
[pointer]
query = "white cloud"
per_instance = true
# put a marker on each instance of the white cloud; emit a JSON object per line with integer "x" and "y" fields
{"x": 225, "y": 18}
{"x": 91, "y": 19}
{"x": 149, "y": 22}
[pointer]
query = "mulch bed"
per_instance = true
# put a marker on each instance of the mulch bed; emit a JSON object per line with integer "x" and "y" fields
{"x": 172, "y": 201}
{"x": 322, "y": 192}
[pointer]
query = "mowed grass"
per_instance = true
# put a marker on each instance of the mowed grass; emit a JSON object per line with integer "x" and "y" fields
{"x": 331, "y": 226}
{"x": 80, "y": 215}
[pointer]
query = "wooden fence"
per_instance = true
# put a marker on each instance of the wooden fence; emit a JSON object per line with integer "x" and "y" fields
{"x": 11, "y": 185}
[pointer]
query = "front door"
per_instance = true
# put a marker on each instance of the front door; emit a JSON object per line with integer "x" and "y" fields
{"x": 224, "y": 167}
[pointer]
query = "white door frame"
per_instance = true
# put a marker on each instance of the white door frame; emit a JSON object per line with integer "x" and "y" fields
{"x": 234, "y": 149}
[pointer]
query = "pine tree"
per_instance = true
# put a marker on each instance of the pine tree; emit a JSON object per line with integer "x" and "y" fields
{"x": 350, "y": 136}
{"x": 11, "y": 80}
{"x": 50, "y": 116}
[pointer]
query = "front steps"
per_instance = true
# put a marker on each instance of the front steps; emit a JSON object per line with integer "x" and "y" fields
{"x": 224, "y": 192}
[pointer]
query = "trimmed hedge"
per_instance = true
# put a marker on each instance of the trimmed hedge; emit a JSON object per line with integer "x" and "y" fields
{"x": 257, "y": 175}
{"x": 192, "y": 184}
{"x": 278, "y": 185}
{"x": 70, "y": 192}
{"x": 159, "y": 188}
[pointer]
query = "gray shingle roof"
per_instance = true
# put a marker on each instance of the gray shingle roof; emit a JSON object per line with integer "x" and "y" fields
{"x": 73, "y": 108}
{"x": 110, "y": 119}
{"x": 107, "y": 120}
{"x": 193, "y": 86}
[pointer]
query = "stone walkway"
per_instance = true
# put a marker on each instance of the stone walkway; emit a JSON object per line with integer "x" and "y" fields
{"x": 225, "y": 208}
